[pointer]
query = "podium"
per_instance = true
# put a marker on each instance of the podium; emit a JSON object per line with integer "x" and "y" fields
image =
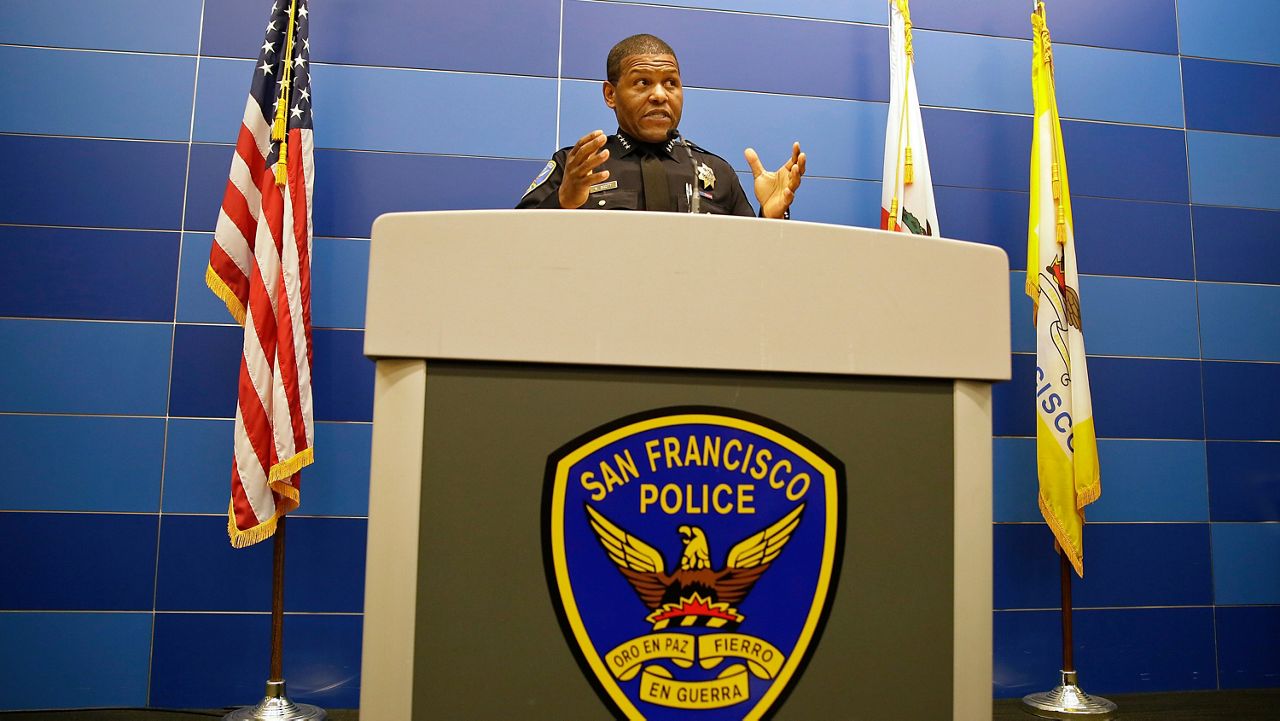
{"x": 504, "y": 338}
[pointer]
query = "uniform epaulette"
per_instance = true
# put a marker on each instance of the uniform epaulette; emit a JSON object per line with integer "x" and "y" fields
{"x": 701, "y": 149}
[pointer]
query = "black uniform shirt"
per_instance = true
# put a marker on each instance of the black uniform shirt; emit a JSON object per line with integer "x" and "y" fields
{"x": 714, "y": 181}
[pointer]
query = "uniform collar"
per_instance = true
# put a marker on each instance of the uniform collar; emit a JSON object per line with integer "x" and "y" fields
{"x": 630, "y": 145}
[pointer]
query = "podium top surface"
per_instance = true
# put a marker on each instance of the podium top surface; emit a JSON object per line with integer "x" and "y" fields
{"x": 681, "y": 291}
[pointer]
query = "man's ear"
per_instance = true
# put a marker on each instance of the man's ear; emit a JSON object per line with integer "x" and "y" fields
{"x": 609, "y": 91}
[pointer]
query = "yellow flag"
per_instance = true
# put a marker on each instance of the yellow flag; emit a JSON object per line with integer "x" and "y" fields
{"x": 1066, "y": 445}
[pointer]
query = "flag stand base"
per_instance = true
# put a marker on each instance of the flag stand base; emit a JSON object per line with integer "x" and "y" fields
{"x": 276, "y": 707}
{"x": 1068, "y": 701}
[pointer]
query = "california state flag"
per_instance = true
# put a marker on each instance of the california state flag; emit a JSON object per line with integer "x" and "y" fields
{"x": 1066, "y": 446}
{"x": 906, "y": 195}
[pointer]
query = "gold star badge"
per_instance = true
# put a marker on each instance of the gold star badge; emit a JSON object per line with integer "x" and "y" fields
{"x": 707, "y": 176}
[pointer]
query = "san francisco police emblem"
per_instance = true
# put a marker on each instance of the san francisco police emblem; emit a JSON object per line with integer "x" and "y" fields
{"x": 692, "y": 555}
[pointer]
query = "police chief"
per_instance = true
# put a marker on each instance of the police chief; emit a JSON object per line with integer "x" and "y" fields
{"x": 646, "y": 165}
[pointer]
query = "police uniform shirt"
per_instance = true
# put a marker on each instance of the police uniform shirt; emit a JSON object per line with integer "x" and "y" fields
{"x": 713, "y": 180}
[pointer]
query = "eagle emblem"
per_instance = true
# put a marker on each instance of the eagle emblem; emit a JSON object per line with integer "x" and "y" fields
{"x": 694, "y": 594}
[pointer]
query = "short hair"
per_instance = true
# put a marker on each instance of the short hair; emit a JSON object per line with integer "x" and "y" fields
{"x": 642, "y": 44}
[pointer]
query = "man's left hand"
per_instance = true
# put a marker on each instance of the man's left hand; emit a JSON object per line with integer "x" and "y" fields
{"x": 776, "y": 190}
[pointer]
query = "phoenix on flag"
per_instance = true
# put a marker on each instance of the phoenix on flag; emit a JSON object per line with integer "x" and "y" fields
{"x": 1066, "y": 444}
{"x": 906, "y": 193}
{"x": 260, "y": 266}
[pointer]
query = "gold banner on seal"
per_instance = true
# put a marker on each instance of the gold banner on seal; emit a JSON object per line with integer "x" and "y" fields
{"x": 761, "y": 656}
{"x": 625, "y": 658}
{"x": 731, "y": 687}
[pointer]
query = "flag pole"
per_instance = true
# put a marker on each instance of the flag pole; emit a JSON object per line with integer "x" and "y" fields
{"x": 1067, "y": 700}
{"x": 1068, "y": 643}
{"x": 1068, "y": 475}
{"x": 276, "y": 670}
{"x": 276, "y": 706}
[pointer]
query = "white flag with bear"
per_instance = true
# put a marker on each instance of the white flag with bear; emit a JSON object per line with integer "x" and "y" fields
{"x": 906, "y": 195}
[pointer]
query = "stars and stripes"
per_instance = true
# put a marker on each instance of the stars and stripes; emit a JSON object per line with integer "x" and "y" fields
{"x": 260, "y": 266}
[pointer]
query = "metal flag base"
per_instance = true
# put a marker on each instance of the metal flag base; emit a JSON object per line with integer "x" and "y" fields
{"x": 276, "y": 707}
{"x": 1068, "y": 701}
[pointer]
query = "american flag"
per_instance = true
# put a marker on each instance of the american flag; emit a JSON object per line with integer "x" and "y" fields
{"x": 260, "y": 266}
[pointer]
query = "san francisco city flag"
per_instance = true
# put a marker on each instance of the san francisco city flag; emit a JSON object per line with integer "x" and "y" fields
{"x": 1066, "y": 446}
{"x": 906, "y": 194}
{"x": 260, "y": 266}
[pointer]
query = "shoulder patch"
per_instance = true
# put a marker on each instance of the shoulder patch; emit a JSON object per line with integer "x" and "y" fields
{"x": 547, "y": 170}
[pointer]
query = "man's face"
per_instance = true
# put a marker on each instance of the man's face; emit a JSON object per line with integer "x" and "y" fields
{"x": 648, "y": 97}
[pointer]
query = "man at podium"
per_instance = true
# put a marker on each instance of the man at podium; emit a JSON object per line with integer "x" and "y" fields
{"x": 647, "y": 165}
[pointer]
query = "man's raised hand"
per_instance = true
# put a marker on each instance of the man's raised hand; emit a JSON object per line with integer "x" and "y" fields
{"x": 776, "y": 190}
{"x": 580, "y": 169}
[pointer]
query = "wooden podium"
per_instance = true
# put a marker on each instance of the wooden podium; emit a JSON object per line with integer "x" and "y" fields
{"x": 500, "y": 336}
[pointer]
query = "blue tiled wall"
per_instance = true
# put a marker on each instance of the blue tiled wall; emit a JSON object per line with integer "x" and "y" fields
{"x": 116, "y": 120}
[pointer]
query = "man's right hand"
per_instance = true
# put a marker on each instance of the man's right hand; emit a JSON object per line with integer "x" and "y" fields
{"x": 579, "y": 169}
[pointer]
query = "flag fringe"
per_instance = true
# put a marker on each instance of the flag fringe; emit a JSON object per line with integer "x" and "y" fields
{"x": 266, "y": 529}
{"x": 286, "y": 468}
{"x": 223, "y": 291}
{"x": 1062, "y": 538}
{"x": 1085, "y": 496}
{"x": 290, "y": 493}
{"x": 249, "y": 536}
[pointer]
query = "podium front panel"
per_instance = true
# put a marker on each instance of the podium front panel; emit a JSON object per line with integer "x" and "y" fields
{"x": 486, "y": 639}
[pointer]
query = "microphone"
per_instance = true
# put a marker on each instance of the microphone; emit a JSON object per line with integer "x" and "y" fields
{"x": 694, "y": 197}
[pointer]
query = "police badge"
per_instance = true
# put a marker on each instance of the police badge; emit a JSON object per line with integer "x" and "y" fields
{"x": 692, "y": 555}
{"x": 706, "y": 175}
